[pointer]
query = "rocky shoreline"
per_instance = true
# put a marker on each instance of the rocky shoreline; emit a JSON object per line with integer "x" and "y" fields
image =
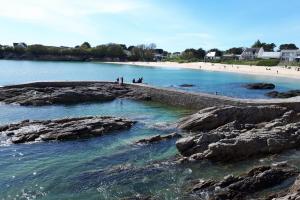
{"x": 63, "y": 129}
{"x": 228, "y": 133}
{"x": 51, "y": 93}
{"x": 223, "y": 130}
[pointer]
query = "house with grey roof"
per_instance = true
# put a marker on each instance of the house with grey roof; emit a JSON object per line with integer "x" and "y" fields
{"x": 251, "y": 53}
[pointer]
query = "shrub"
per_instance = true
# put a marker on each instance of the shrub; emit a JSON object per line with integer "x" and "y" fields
{"x": 269, "y": 63}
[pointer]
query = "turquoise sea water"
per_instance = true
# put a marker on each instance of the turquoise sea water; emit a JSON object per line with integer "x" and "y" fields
{"x": 112, "y": 166}
{"x": 229, "y": 84}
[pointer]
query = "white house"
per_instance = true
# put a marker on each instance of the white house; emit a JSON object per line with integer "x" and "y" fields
{"x": 269, "y": 55}
{"x": 212, "y": 56}
{"x": 290, "y": 55}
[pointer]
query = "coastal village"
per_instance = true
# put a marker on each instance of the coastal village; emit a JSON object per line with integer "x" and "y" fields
{"x": 289, "y": 54}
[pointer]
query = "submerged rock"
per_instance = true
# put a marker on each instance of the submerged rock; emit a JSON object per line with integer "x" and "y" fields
{"x": 240, "y": 187}
{"x": 158, "y": 138}
{"x": 288, "y": 94}
{"x": 63, "y": 129}
{"x": 186, "y": 85}
{"x": 38, "y": 94}
{"x": 260, "y": 86}
{"x": 233, "y": 133}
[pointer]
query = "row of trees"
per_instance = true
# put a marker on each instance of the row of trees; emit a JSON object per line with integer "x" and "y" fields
{"x": 122, "y": 52}
{"x": 85, "y": 51}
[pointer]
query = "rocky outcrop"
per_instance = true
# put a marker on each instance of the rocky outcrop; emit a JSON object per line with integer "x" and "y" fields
{"x": 158, "y": 138}
{"x": 240, "y": 187}
{"x": 260, "y": 86}
{"x": 288, "y": 94}
{"x": 232, "y": 133}
{"x": 63, "y": 129}
{"x": 38, "y": 94}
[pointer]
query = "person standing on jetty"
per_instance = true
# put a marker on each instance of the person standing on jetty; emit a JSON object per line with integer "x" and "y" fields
{"x": 122, "y": 80}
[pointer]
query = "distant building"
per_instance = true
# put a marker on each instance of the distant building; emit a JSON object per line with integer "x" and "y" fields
{"x": 269, "y": 55}
{"x": 251, "y": 53}
{"x": 212, "y": 56}
{"x": 158, "y": 57}
{"x": 290, "y": 55}
{"x": 20, "y": 45}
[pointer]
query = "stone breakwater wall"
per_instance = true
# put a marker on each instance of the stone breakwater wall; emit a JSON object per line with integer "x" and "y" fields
{"x": 173, "y": 97}
{"x": 197, "y": 100}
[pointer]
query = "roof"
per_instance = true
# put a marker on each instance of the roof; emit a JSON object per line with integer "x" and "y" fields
{"x": 253, "y": 50}
{"x": 211, "y": 54}
{"x": 271, "y": 55}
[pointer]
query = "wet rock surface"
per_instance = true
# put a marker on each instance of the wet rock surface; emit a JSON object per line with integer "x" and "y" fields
{"x": 63, "y": 129}
{"x": 38, "y": 94}
{"x": 158, "y": 138}
{"x": 293, "y": 193}
{"x": 260, "y": 86}
{"x": 288, "y": 94}
{"x": 230, "y": 133}
{"x": 241, "y": 187}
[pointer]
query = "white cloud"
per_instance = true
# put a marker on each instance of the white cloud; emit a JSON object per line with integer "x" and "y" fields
{"x": 64, "y": 15}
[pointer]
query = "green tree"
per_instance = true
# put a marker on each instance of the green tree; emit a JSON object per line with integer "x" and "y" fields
{"x": 266, "y": 46}
{"x": 85, "y": 45}
{"x": 288, "y": 47}
{"x": 257, "y": 44}
{"x": 235, "y": 50}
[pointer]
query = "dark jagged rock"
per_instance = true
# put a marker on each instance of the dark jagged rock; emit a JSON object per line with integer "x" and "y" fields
{"x": 158, "y": 138}
{"x": 38, "y": 94}
{"x": 234, "y": 133}
{"x": 288, "y": 94}
{"x": 63, "y": 129}
{"x": 186, "y": 85}
{"x": 260, "y": 86}
{"x": 239, "y": 187}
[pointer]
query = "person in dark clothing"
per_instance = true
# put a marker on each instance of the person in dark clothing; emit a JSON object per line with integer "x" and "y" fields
{"x": 122, "y": 80}
{"x": 133, "y": 81}
{"x": 118, "y": 80}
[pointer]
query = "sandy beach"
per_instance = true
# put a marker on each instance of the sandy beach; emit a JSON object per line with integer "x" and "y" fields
{"x": 278, "y": 71}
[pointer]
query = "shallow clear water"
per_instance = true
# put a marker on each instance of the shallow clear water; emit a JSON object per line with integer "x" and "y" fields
{"x": 112, "y": 166}
{"x": 229, "y": 84}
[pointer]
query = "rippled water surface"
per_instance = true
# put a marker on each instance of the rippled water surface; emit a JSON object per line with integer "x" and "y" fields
{"x": 112, "y": 166}
{"x": 229, "y": 84}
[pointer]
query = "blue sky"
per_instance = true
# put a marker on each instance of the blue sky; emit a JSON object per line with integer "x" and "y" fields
{"x": 172, "y": 24}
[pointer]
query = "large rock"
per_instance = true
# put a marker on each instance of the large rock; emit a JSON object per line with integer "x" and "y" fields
{"x": 240, "y": 187}
{"x": 214, "y": 117}
{"x": 260, "y": 86}
{"x": 233, "y": 133}
{"x": 288, "y": 94}
{"x": 63, "y": 129}
{"x": 66, "y": 93}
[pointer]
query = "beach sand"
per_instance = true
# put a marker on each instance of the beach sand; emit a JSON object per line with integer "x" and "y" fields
{"x": 278, "y": 71}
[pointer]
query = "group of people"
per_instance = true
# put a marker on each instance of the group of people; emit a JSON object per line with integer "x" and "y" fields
{"x": 120, "y": 80}
{"x": 140, "y": 80}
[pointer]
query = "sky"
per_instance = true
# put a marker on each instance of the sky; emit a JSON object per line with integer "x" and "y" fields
{"x": 173, "y": 25}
